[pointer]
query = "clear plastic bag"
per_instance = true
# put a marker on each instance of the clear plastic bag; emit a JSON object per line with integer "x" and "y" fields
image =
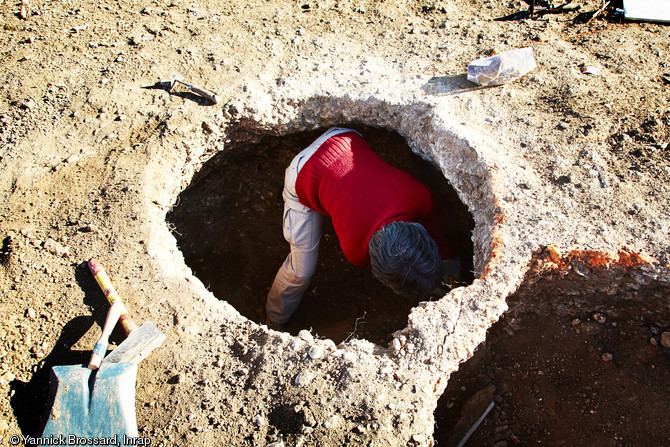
{"x": 502, "y": 68}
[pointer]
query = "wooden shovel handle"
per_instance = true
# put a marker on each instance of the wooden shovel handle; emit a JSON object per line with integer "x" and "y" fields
{"x": 110, "y": 293}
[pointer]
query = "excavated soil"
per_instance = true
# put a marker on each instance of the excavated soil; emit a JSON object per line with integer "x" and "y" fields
{"x": 568, "y": 369}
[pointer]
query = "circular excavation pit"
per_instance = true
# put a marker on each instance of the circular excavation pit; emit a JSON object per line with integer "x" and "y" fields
{"x": 227, "y": 223}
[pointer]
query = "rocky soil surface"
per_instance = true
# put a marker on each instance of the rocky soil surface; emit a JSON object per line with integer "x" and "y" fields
{"x": 565, "y": 173}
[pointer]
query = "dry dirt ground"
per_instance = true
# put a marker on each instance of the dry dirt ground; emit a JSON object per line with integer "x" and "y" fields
{"x": 559, "y": 182}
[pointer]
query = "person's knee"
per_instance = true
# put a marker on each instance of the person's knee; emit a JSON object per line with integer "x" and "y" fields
{"x": 301, "y": 266}
{"x": 405, "y": 258}
{"x": 303, "y": 274}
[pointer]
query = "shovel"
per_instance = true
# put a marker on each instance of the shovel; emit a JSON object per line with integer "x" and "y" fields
{"x": 98, "y": 400}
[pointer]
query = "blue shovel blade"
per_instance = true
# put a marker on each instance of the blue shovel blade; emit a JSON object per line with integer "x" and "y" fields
{"x": 92, "y": 404}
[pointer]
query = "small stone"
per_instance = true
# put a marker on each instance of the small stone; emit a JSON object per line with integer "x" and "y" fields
{"x": 310, "y": 420}
{"x": 590, "y": 70}
{"x": 333, "y": 421}
{"x": 3, "y": 425}
{"x": 306, "y": 335}
{"x": 315, "y": 352}
{"x": 419, "y": 438}
{"x": 8, "y": 377}
{"x": 276, "y": 444}
{"x": 55, "y": 248}
{"x": 303, "y": 378}
{"x": 665, "y": 339}
{"x": 607, "y": 357}
{"x": 258, "y": 420}
{"x": 329, "y": 345}
{"x": 90, "y": 228}
{"x": 72, "y": 159}
{"x": 600, "y": 318}
{"x": 349, "y": 357}
{"x": 396, "y": 344}
{"x": 385, "y": 370}
{"x": 30, "y": 313}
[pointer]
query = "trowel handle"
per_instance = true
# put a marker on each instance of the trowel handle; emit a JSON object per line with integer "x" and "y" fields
{"x": 205, "y": 93}
{"x": 110, "y": 293}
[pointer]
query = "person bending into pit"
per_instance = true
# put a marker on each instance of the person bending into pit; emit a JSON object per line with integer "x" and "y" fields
{"x": 383, "y": 217}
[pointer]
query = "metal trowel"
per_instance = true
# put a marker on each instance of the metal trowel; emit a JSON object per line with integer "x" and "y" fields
{"x": 176, "y": 79}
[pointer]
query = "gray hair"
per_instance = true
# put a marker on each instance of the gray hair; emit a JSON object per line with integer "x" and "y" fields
{"x": 405, "y": 258}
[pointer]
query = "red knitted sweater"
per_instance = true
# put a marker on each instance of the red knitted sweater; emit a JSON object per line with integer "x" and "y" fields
{"x": 347, "y": 181}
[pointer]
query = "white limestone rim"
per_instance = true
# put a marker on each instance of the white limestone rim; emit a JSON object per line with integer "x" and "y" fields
{"x": 439, "y": 334}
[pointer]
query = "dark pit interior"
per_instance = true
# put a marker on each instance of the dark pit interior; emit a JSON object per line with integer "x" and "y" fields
{"x": 568, "y": 366}
{"x": 227, "y": 223}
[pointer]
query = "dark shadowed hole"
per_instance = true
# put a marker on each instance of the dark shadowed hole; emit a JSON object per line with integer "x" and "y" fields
{"x": 228, "y": 226}
{"x": 5, "y": 250}
{"x": 286, "y": 419}
{"x": 555, "y": 382}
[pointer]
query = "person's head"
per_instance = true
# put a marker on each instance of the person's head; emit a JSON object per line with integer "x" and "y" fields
{"x": 405, "y": 258}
